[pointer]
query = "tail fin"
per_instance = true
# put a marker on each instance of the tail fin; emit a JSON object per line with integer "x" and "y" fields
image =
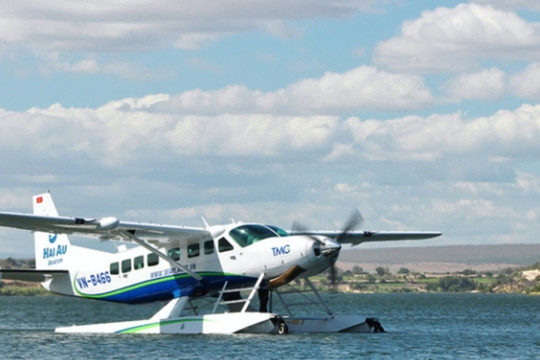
{"x": 51, "y": 250}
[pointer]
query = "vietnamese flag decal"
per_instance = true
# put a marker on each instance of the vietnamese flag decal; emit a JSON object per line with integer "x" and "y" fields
{"x": 39, "y": 199}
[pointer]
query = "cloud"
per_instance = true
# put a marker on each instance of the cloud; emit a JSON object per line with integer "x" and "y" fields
{"x": 249, "y": 135}
{"x": 123, "y": 26}
{"x": 345, "y": 188}
{"x": 195, "y": 41}
{"x": 362, "y": 88}
{"x": 500, "y": 137}
{"x": 454, "y": 39}
{"x": 526, "y": 84}
{"x": 511, "y": 4}
{"x": 123, "y": 132}
{"x": 129, "y": 134}
{"x": 131, "y": 131}
{"x": 93, "y": 66}
{"x": 493, "y": 83}
{"x": 127, "y": 159}
{"x": 488, "y": 84}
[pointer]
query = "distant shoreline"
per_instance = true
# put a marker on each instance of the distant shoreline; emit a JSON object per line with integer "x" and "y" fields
{"x": 525, "y": 280}
{"x": 442, "y": 259}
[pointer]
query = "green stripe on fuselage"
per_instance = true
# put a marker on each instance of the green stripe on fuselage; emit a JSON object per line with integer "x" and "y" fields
{"x": 143, "y": 284}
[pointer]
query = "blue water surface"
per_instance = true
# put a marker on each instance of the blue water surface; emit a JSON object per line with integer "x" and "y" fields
{"x": 419, "y": 326}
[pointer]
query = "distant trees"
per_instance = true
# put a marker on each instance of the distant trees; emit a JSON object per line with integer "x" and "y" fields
{"x": 452, "y": 284}
{"x": 403, "y": 271}
{"x": 381, "y": 271}
{"x": 334, "y": 275}
{"x": 12, "y": 263}
{"x": 380, "y": 279}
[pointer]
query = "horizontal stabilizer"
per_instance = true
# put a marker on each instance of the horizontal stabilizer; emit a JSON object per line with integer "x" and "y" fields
{"x": 30, "y": 275}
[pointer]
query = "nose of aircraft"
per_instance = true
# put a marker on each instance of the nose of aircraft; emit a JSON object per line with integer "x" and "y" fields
{"x": 330, "y": 247}
{"x": 322, "y": 254}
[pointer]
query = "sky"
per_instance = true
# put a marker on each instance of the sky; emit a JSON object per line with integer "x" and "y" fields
{"x": 422, "y": 115}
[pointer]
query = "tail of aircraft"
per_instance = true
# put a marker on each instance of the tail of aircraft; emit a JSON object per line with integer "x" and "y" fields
{"x": 52, "y": 251}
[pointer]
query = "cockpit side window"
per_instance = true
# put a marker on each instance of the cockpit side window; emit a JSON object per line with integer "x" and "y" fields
{"x": 224, "y": 245}
{"x": 246, "y": 235}
{"x": 208, "y": 247}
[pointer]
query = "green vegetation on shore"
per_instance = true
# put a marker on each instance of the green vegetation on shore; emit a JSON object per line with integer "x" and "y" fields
{"x": 524, "y": 280}
{"x": 20, "y": 288}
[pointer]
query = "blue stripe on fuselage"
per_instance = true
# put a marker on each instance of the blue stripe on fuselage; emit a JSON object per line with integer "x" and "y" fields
{"x": 169, "y": 287}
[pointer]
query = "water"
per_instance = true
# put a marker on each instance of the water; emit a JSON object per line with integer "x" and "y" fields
{"x": 419, "y": 326}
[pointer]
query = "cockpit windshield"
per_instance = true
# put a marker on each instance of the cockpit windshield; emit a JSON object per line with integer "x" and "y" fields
{"x": 279, "y": 230}
{"x": 246, "y": 235}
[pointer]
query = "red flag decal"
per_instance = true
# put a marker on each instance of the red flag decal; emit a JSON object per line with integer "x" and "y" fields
{"x": 39, "y": 200}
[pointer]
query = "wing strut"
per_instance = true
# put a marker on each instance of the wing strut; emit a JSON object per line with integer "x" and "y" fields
{"x": 130, "y": 235}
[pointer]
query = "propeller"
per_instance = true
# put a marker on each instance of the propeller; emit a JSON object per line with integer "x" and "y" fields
{"x": 355, "y": 219}
{"x": 333, "y": 247}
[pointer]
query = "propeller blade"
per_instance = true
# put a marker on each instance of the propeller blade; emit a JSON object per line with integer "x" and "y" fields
{"x": 333, "y": 273}
{"x": 301, "y": 229}
{"x": 355, "y": 220}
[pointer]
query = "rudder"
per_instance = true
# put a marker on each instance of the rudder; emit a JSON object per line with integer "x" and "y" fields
{"x": 51, "y": 250}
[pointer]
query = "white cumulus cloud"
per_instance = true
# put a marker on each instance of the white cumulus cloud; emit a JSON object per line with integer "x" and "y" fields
{"x": 487, "y": 84}
{"x": 453, "y": 39}
{"x": 429, "y": 172}
{"x": 361, "y": 88}
{"x": 526, "y": 83}
{"x": 503, "y": 135}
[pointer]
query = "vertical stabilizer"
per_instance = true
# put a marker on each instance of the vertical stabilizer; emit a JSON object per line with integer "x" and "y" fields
{"x": 51, "y": 250}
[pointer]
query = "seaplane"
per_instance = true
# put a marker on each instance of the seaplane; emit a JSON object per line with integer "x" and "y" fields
{"x": 238, "y": 268}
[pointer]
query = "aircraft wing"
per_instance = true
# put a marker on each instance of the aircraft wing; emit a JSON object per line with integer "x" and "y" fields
{"x": 358, "y": 237}
{"x": 108, "y": 228}
{"x": 30, "y": 275}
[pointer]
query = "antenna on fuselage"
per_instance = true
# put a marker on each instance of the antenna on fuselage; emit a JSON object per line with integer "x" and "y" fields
{"x": 206, "y": 225}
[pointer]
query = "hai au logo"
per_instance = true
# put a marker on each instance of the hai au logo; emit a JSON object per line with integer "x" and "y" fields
{"x": 52, "y": 238}
{"x": 53, "y": 252}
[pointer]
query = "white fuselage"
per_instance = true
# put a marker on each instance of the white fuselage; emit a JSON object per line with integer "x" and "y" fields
{"x": 237, "y": 253}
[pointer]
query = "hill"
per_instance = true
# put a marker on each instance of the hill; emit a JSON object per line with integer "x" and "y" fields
{"x": 441, "y": 259}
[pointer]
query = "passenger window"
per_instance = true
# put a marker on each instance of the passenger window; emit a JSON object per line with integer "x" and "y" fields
{"x": 152, "y": 259}
{"x": 193, "y": 250}
{"x": 138, "y": 262}
{"x": 114, "y": 269}
{"x": 224, "y": 245}
{"x": 126, "y": 266}
{"x": 174, "y": 253}
{"x": 208, "y": 247}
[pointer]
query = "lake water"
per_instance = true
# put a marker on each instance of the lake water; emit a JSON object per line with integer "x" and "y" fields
{"x": 419, "y": 326}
